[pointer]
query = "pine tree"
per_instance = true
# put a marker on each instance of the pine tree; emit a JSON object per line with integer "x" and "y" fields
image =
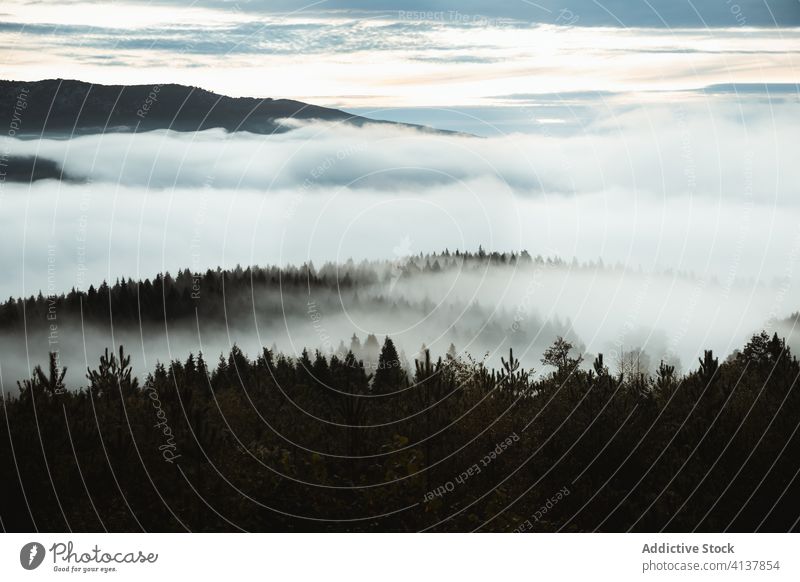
{"x": 42, "y": 384}
{"x": 390, "y": 376}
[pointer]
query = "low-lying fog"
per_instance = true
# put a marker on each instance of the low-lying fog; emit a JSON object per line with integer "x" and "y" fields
{"x": 482, "y": 309}
{"x": 658, "y": 191}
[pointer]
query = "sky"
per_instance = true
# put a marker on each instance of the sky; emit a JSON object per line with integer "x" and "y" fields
{"x": 506, "y": 63}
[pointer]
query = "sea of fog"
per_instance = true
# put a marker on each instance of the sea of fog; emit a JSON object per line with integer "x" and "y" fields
{"x": 690, "y": 219}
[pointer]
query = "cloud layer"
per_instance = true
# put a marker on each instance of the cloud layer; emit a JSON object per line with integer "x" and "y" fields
{"x": 658, "y": 188}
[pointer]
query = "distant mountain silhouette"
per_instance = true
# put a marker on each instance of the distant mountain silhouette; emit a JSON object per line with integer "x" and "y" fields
{"x": 57, "y": 106}
{"x": 30, "y": 169}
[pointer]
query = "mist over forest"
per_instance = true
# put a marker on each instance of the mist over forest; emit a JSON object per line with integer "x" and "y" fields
{"x": 471, "y": 303}
{"x": 669, "y": 263}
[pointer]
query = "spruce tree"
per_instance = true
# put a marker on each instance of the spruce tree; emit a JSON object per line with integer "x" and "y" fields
{"x": 389, "y": 376}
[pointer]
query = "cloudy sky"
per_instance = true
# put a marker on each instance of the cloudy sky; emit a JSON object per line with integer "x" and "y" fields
{"x": 482, "y": 59}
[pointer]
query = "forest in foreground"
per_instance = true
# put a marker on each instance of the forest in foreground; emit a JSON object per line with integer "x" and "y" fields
{"x": 321, "y": 443}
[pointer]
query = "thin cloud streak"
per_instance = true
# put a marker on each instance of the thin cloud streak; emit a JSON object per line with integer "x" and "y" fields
{"x": 385, "y": 58}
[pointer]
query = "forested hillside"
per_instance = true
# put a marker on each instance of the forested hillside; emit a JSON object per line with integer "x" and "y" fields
{"x": 318, "y": 443}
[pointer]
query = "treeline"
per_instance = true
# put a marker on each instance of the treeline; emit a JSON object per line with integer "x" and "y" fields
{"x": 320, "y": 443}
{"x": 215, "y": 292}
{"x": 209, "y": 293}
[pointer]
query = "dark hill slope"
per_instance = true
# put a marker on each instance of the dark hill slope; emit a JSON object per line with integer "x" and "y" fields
{"x": 58, "y": 106}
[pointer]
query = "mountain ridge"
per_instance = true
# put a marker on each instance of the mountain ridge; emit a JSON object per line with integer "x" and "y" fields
{"x": 80, "y": 107}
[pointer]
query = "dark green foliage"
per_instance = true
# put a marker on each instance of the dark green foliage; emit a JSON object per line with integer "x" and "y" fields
{"x": 558, "y": 356}
{"x": 390, "y": 374}
{"x": 297, "y": 444}
{"x": 44, "y": 385}
{"x": 207, "y": 295}
{"x": 708, "y": 367}
{"x": 112, "y": 377}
